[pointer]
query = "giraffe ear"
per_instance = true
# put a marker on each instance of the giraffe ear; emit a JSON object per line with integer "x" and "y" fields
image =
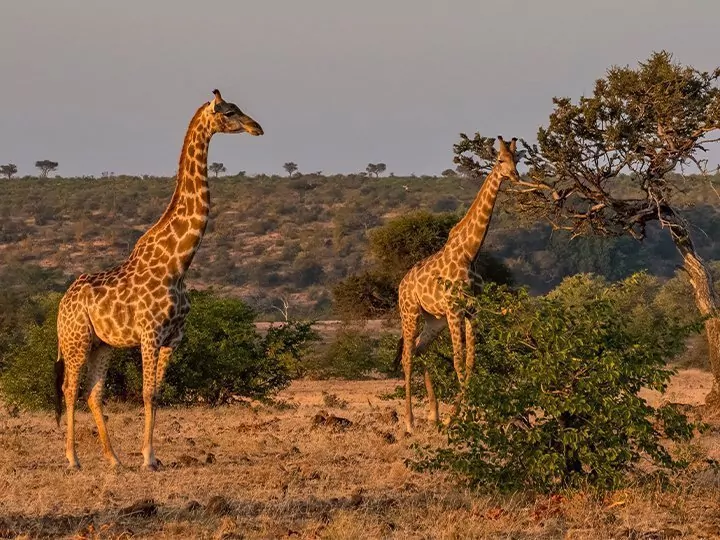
{"x": 217, "y": 100}
{"x": 513, "y": 145}
{"x": 503, "y": 144}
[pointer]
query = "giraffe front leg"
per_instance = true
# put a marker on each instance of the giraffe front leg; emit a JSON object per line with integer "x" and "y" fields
{"x": 469, "y": 355}
{"x": 70, "y": 390}
{"x": 97, "y": 370}
{"x": 433, "y": 410}
{"x": 431, "y": 328}
{"x": 457, "y": 337}
{"x": 150, "y": 356}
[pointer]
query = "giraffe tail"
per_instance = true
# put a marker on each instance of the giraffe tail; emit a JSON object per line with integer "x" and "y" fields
{"x": 398, "y": 355}
{"x": 59, "y": 379}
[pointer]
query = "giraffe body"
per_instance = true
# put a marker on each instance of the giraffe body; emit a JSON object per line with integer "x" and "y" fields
{"x": 423, "y": 297}
{"x": 142, "y": 302}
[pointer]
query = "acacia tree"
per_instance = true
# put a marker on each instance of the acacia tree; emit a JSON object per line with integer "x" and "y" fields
{"x": 8, "y": 170}
{"x": 217, "y": 168}
{"x": 611, "y": 162}
{"x": 46, "y": 166}
{"x": 375, "y": 169}
{"x": 290, "y": 168}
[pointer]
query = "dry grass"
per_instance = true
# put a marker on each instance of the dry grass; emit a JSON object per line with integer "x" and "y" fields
{"x": 271, "y": 472}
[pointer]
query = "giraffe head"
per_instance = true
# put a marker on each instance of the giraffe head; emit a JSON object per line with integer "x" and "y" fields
{"x": 506, "y": 165}
{"x": 225, "y": 117}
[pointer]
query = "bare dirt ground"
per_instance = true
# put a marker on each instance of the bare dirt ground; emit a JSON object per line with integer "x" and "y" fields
{"x": 272, "y": 472}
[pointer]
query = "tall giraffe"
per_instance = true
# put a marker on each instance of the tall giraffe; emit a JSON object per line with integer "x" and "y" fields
{"x": 143, "y": 301}
{"x": 423, "y": 295}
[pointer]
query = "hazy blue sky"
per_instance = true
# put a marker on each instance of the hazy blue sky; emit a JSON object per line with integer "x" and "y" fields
{"x": 100, "y": 85}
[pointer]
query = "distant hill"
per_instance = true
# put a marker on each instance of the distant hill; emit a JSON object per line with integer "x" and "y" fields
{"x": 272, "y": 237}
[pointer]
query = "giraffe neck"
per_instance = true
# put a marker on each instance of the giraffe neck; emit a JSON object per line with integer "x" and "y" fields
{"x": 467, "y": 237}
{"x": 177, "y": 234}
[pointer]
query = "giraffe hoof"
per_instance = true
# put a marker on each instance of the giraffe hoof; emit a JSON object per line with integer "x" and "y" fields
{"x": 153, "y": 466}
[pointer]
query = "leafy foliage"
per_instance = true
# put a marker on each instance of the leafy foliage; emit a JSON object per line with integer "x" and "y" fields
{"x": 46, "y": 166}
{"x": 553, "y": 401}
{"x": 355, "y": 354}
{"x": 28, "y": 379}
{"x": 221, "y": 359}
{"x": 8, "y": 170}
{"x": 216, "y": 168}
{"x": 396, "y": 247}
{"x": 406, "y": 240}
{"x": 327, "y": 219}
{"x": 290, "y": 168}
{"x": 376, "y": 169}
{"x": 647, "y": 121}
{"x": 368, "y": 295}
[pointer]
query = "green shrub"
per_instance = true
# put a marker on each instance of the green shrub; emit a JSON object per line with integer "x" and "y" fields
{"x": 355, "y": 354}
{"x": 28, "y": 380}
{"x": 221, "y": 358}
{"x": 553, "y": 401}
{"x": 306, "y": 272}
{"x": 367, "y": 295}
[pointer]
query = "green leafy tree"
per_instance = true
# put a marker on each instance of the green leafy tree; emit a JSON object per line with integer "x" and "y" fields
{"x": 217, "y": 168}
{"x": 649, "y": 122}
{"x": 404, "y": 241}
{"x": 8, "y": 170}
{"x": 46, "y": 166}
{"x": 449, "y": 173}
{"x": 553, "y": 401}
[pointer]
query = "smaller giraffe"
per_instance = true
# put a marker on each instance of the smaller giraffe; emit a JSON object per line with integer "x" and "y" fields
{"x": 144, "y": 300}
{"x": 423, "y": 295}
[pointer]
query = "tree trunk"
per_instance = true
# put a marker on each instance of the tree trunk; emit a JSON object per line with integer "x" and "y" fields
{"x": 705, "y": 297}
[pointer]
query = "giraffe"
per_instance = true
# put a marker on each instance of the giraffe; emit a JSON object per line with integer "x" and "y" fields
{"x": 423, "y": 295}
{"x": 143, "y": 302}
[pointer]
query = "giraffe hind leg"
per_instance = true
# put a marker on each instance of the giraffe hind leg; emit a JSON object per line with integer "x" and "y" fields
{"x": 431, "y": 328}
{"x": 409, "y": 329}
{"x": 97, "y": 371}
{"x": 74, "y": 362}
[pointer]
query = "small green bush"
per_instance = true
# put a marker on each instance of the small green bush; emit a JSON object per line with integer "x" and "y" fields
{"x": 355, "y": 354}
{"x": 222, "y": 358}
{"x": 28, "y": 379}
{"x": 367, "y": 295}
{"x": 553, "y": 401}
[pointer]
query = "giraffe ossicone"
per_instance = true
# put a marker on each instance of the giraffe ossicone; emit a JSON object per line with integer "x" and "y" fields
{"x": 142, "y": 302}
{"x": 423, "y": 294}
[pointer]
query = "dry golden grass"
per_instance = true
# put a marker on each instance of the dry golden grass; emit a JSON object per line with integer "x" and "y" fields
{"x": 270, "y": 472}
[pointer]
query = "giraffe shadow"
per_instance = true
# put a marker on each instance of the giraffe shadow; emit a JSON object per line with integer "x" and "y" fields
{"x": 147, "y": 516}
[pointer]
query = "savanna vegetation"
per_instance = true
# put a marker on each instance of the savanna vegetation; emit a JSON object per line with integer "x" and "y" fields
{"x": 598, "y": 281}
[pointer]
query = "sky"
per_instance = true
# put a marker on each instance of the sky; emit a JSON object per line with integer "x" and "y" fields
{"x": 111, "y": 86}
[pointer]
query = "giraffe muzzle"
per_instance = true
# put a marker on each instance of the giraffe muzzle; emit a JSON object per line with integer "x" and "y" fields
{"x": 252, "y": 127}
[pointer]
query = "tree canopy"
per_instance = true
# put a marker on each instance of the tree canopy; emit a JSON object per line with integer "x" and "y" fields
{"x": 46, "y": 166}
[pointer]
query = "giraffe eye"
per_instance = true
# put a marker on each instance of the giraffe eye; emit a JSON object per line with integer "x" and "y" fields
{"x": 230, "y": 113}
